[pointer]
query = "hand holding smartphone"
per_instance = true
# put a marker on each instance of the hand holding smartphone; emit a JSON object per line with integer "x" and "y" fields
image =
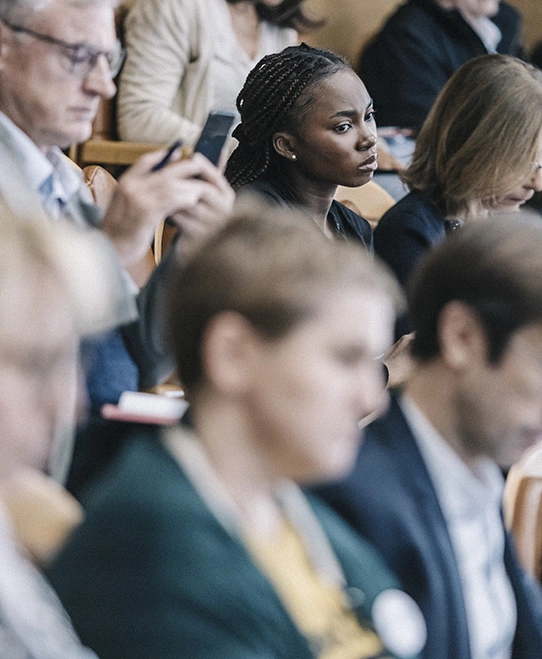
{"x": 167, "y": 157}
{"x": 210, "y": 142}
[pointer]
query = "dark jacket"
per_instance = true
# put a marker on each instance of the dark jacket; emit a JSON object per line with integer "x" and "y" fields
{"x": 390, "y": 499}
{"x": 152, "y": 573}
{"x": 344, "y": 222}
{"x": 421, "y": 45}
{"x": 407, "y": 231}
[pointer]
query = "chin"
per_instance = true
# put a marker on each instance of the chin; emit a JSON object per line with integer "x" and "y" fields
{"x": 361, "y": 179}
{"x": 79, "y": 133}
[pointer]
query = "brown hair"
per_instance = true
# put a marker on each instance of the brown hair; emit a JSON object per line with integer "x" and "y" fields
{"x": 494, "y": 266}
{"x": 270, "y": 265}
{"x": 481, "y": 138}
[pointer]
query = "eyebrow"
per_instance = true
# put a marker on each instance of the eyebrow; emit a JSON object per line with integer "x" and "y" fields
{"x": 352, "y": 113}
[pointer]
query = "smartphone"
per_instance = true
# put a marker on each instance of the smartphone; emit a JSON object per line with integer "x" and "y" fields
{"x": 214, "y": 134}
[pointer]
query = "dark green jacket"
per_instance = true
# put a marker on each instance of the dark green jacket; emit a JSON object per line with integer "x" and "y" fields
{"x": 151, "y": 573}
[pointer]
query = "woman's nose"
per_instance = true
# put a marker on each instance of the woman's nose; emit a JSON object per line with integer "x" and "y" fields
{"x": 536, "y": 181}
{"x": 366, "y": 138}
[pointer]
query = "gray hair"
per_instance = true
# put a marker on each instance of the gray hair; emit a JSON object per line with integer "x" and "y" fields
{"x": 15, "y": 11}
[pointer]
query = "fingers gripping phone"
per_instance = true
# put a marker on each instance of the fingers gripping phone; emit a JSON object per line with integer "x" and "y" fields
{"x": 210, "y": 142}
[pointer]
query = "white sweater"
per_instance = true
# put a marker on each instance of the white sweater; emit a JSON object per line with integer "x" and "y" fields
{"x": 166, "y": 88}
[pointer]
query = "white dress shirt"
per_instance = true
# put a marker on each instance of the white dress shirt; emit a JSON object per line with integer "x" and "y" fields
{"x": 57, "y": 182}
{"x": 470, "y": 498}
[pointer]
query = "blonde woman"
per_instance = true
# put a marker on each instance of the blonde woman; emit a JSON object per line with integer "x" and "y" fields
{"x": 479, "y": 151}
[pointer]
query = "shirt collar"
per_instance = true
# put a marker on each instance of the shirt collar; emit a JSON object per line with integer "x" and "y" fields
{"x": 460, "y": 488}
{"x": 50, "y": 173}
{"x": 489, "y": 33}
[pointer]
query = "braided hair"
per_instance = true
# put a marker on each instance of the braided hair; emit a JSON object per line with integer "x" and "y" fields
{"x": 269, "y": 102}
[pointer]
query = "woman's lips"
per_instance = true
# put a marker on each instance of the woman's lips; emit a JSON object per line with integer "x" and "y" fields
{"x": 370, "y": 164}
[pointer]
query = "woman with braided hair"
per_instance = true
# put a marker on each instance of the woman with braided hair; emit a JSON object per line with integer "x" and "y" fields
{"x": 307, "y": 126}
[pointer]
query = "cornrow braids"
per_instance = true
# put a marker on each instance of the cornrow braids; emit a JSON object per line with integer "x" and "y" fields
{"x": 268, "y": 102}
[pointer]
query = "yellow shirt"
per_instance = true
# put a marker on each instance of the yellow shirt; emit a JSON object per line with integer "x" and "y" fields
{"x": 319, "y": 609}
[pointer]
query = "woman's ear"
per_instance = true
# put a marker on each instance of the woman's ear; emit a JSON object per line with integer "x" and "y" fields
{"x": 226, "y": 353}
{"x": 283, "y": 143}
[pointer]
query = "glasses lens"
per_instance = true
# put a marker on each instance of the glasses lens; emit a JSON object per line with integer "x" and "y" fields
{"x": 84, "y": 58}
{"x": 115, "y": 59}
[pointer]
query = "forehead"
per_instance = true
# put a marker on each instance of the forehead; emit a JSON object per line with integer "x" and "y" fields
{"x": 92, "y": 22}
{"x": 338, "y": 92}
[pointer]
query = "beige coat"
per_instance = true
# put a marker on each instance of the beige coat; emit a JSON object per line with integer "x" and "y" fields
{"x": 166, "y": 91}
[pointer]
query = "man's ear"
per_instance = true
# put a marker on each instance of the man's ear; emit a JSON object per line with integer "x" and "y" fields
{"x": 284, "y": 145}
{"x": 3, "y": 44}
{"x": 5, "y": 38}
{"x": 461, "y": 335}
{"x": 226, "y": 351}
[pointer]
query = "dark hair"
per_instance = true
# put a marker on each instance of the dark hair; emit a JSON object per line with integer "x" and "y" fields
{"x": 289, "y": 13}
{"x": 274, "y": 267}
{"x": 493, "y": 266}
{"x": 275, "y": 97}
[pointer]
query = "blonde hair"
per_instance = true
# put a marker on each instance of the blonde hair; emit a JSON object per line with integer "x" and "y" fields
{"x": 79, "y": 262}
{"x": 482, "y": 136}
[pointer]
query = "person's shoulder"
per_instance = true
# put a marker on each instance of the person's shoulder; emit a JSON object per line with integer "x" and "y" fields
{"x": 171, "y": 10}
{"x": 267, "y": 188}
{"x": 411, "y": 15}
{"x": 354, "y": 225}
{"x": 353, "y": 551}
{"x": 507, "y": 14}
{"x": 142, "y": 459}
{"x": 415, "y": 207}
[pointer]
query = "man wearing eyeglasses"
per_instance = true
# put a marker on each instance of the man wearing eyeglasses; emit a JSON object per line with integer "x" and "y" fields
{"x": 58, "y": 59}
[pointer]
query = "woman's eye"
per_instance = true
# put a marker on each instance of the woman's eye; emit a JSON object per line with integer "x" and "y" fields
{"x": 370, "y": 116}
{"x": 342, "y": 128}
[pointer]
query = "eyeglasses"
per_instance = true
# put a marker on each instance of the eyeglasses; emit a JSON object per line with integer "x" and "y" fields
{"x": 82, "y": 57}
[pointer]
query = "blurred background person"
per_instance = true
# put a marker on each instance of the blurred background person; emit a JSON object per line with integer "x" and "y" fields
{"x": 307, "y": 126}
{"x": 187, "y": 57}
{"x": 479, "y": 152}
{"x": 54, "y": 286}
{"x": 423, "y": 43}
{"x": 58, "y": 60}
{"x": 427, "y": 485}
{"x": 198, "y": 541}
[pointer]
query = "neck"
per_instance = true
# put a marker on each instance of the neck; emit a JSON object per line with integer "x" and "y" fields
{"x": 237, "y": 458}
{"x": 315, "y": 197}
{"x": 432, "y": 388}
{"x": 246, "y": 26}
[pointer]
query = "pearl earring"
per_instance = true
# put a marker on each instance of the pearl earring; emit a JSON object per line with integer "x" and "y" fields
{"x": 294, "y": 157}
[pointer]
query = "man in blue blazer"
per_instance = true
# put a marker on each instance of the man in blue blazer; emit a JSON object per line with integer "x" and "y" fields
{"x": 426, "y": 488}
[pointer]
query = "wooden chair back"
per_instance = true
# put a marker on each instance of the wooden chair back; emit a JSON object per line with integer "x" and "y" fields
{"x": 522, "y": 506}
{"x": 370, "y": 201}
